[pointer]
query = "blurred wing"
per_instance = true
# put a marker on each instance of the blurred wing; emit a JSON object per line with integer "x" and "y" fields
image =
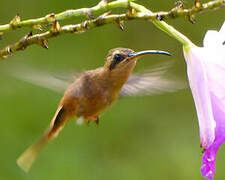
{"x": 151, "y": 82}
{"x": 57, "y": 83}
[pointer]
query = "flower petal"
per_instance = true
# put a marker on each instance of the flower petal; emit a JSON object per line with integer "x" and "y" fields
{"x": 206, "y": 73}
{"x": 216, "y": 77}
{"x": 209, "y": 156}
{"x": 222, "y": 31}
{"x": 200, "y": 90}
{"x": 213, "y": 39}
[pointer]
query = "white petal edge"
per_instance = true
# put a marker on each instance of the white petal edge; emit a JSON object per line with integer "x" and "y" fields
{"x": 222, "y": 30}
{"x": 199, "y": 86}
{"x": 214, "y": 38}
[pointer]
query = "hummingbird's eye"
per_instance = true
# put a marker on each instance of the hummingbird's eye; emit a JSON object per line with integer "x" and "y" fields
{"x": 118, "y": 57}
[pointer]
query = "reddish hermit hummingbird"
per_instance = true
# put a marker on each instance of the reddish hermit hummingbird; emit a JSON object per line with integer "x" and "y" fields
{"x": 94, "y": 91}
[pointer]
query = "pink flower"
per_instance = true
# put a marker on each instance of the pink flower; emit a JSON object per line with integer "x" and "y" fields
{"x": 206, "y": 74}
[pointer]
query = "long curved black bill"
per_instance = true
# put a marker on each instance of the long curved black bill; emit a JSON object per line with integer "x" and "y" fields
{"x": 136, "y": 55}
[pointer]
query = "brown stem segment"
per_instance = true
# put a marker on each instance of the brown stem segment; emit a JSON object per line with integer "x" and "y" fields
{"x": 117, "y": 19}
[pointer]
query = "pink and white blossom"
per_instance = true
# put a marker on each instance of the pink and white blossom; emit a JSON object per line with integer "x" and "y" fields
{"x": 206, "y": 74}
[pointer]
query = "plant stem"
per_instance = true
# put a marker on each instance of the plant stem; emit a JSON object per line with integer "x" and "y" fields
{"x": 163, "y": 26}
{"x": 103, "y": 6}
{"x": 135, "y": 11}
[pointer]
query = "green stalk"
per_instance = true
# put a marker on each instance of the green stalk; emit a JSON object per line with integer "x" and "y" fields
{"x": 170, "y": 30}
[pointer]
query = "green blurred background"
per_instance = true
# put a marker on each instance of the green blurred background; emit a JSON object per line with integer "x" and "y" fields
{"x": 143, "y": 138}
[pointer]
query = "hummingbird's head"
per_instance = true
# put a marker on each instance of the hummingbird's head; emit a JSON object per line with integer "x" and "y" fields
{"x": 124, "y": 58}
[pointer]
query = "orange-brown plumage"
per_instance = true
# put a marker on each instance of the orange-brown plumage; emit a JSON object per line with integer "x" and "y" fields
{"x": 89, "y": 95}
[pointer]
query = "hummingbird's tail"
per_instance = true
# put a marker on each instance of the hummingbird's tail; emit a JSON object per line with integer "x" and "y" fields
{"x": 26, "y": 160}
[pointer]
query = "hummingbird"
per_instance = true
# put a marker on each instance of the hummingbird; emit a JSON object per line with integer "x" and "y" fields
{"x": 92, "y": 92}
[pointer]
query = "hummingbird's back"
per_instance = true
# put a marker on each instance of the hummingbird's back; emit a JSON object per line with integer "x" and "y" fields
{"x": 88, "y": 95}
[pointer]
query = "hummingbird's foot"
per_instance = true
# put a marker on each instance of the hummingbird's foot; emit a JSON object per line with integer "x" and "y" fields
{"x": 97, "y": 120}
{"x": 87, "y": 121}
{"x": 89, "y": 118}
